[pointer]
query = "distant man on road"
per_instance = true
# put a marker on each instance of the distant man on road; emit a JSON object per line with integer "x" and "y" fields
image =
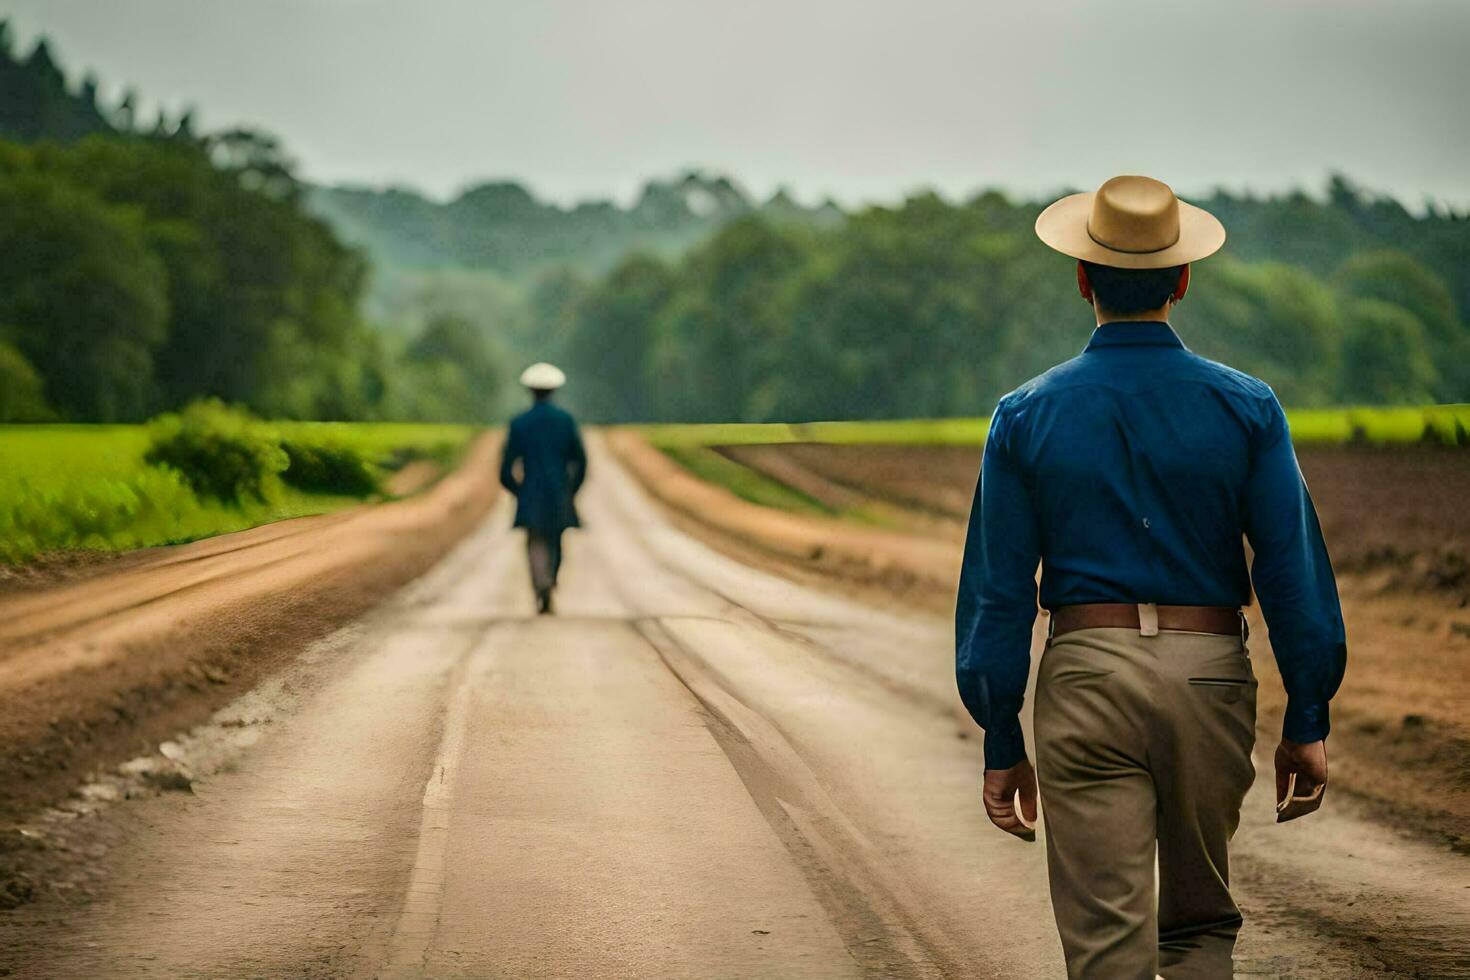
{"x": 545, "y": 441}
{"x": 1131, "y": 473}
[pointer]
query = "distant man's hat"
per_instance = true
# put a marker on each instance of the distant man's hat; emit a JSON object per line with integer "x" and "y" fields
{"x": 1130, "y": 223}
{"x": 543, "y": 377}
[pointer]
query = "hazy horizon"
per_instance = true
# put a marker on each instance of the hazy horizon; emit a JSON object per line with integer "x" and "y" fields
{"x": 854, "y": 101}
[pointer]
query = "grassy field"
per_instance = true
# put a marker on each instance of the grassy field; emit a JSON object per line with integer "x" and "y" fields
{"x": 385, "y": 440}
{"x": 1445, "y": 423}
{"x": 68, "y": 487}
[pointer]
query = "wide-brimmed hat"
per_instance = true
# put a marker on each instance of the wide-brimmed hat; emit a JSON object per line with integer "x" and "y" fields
{"x": 543, "y": 377}
{"x": 1130, "y": 223}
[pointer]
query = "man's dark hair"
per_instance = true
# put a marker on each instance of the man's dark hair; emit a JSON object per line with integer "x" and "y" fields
{"x": 1127, "y": 292}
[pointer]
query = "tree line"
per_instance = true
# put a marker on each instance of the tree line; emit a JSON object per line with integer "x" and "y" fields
{"x": 149, "y": 267}
{"x": 936, "y": 309}
{"x": 146, "y": 268}
{"x": 143, "y": 273}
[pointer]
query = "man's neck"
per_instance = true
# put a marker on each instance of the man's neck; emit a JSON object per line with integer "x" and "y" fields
{"x": 1161, "y": 315}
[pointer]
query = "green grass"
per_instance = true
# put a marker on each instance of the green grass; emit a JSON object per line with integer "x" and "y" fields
{"x": 1381, "y": 426}
{"x": 387, "y": 442}
{"x": 741, "y": 480}
{"x": 68, "y": 487}
{"x": 1378, "y": 426}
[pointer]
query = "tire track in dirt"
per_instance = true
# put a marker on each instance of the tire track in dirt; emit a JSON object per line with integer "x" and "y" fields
{"x": 1343, "y": 877}
{"x": 865, "y": 904}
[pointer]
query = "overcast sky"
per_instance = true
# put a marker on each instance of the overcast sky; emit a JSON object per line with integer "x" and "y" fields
{"x": 861, "y": 100}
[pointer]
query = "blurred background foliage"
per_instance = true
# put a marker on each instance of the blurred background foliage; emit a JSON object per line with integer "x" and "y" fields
{"x": 149, "y": 266}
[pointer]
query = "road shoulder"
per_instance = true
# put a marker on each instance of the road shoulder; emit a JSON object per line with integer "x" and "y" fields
{"x": 95, "y": 670}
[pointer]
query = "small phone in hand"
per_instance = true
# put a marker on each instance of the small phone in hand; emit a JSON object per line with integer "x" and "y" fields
{"x": 1294, "y": 806}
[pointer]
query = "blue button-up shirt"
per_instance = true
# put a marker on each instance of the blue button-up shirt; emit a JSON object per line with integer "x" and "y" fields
{"x": 1131, "y": 473}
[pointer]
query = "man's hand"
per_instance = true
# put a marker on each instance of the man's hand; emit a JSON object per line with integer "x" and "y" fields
{"x": 1309, "y": 764}
{"x": 1001, "y": 787}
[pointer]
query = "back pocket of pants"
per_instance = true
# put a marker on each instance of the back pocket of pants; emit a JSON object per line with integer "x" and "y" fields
{"x": 1229, "y": 688}
{"x": 1062, "y": 675}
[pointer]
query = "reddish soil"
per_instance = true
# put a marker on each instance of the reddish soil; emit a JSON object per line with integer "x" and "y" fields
{"x": 937, "y": 479}
{"x": 1405, "y": 511}
{"x": 840, "y": 493}
{"x": 1401, "y": 722}
{"x": 1397, "y": 522}
{"x": 98, "y": 662}
{"x": 1402, "y": 513}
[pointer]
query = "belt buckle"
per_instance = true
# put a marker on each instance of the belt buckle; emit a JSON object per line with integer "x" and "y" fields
{"x": 1148, "y": 619}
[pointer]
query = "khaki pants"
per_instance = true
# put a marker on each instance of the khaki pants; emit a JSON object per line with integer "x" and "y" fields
{"x": 1143, "y": 747}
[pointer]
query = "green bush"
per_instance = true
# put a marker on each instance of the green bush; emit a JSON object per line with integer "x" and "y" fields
{"x": 221, "y": 452}
{"x": 445, "y": 452}
{"x": 21, "y": 398}
{"x": 66, "y": 487}
{"x": 328, "y": 467}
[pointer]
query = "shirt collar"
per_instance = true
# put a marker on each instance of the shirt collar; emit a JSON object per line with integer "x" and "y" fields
{"x": 1134, "y": 333}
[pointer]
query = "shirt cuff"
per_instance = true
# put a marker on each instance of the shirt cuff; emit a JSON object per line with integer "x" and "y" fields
{"x": 1306, "y": 721}
{"x": 1004, "y": 744}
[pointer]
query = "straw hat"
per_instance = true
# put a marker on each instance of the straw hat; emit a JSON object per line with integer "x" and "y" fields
{"x": 1130, "y": 223}
{"x": 543, "y": 377}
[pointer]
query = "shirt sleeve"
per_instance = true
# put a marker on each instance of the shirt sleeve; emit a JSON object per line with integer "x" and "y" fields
{"x": 576, "y": 461}
{"x": 1293, "y": 580}
{"x": 996, "y": 606}
{"x": 509, "y": 453}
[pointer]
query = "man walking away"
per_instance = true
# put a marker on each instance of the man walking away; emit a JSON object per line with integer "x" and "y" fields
{"x": 1130, "y": 474}
{"x": 545, "y": 441}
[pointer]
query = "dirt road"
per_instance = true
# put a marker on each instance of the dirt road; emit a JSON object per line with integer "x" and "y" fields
{"x": 697, "y": 769}
{"x": 125, "y": 653}
{"x": 1398, "y": 535}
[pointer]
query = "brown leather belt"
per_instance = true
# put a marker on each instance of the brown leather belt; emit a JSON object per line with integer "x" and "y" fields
{"x": 1191, "y": 619}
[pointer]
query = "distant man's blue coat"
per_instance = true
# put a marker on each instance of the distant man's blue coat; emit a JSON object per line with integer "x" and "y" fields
{"x": 545, "y": 440}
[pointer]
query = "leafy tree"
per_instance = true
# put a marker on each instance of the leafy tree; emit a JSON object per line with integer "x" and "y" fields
{"x": 734, "y": 327}
{"x": 1396, "y": 278}
{"x": 148, "y": 271}
{"x": 611, "y": 350}
{"x": 35, "y": 101}
{"x": 263, "y": 299}
{"x": 1385, "y": 357}
{"x": 430, "y": 391}
{"x": 84, "y": 296}
{"x": 465, "y": 375}
{"x": 554, "y": 303}
{"x": 255, "y": 160}
{"x": 458, "y": 341}
{"x": 1275, "y": 321}
{"x": 21, "y": 397}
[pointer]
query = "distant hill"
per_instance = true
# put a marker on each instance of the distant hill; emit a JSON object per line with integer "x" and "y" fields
{"x": 503, "y": 228}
